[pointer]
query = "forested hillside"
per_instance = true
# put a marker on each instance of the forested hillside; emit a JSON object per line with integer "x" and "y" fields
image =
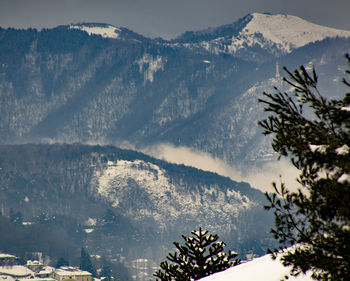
{"x": 198, "y": 91}
{"x": 119, "y": 203}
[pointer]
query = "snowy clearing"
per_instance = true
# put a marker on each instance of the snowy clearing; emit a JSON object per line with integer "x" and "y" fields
{"x": 259, "y": 269}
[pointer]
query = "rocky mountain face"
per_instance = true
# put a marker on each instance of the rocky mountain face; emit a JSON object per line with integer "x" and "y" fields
{"x": 94, "y": 83}
{"x": 124, "y": 205}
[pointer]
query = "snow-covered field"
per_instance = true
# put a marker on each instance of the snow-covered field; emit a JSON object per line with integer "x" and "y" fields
{"x": 259, "y": 269}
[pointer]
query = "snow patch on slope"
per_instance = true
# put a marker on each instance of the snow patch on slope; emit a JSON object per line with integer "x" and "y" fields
{"x": 150, "y": 65}
{"x": 107, "y": 31}
{"x": 143, "y": 190}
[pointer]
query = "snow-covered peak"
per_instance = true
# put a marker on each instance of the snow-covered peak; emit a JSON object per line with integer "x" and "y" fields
{"x": 106, "y": 31}
{"x": 274, "y": 34}
{"x": 287, "y": 31}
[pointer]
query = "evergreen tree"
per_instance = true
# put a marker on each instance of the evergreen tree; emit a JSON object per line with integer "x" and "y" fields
{"x": 109, "y": 216}
{"x": 200, "y": 256}
{"x": 85, "y": 262}
{"x": 62, "y": 262}
{"x": 315, "y": 134}
{"x": 106, "y": 272}
{"x": 16, "y": 217}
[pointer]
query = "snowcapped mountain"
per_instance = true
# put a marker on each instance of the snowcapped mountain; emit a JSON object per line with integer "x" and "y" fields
{"x": 77, "y": 84}
{"x": 102, "y": 84}
{"x": 95, "y": 83}
{"x": 104, "y": 30}
{"x": 275, "y": 34}
{"x": 285, "y": 31}
{"x": 107, "y": 31}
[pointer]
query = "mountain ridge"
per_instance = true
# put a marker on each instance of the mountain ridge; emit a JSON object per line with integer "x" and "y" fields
{"x": 65, "y": 85}
{"x": 278, "y": 34}
{"x": 135, "y": 201}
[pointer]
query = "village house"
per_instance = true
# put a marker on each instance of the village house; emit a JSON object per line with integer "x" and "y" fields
{"x": 36, "y": 271}
{"x": 70, "y": 272}
{"x": 6, "y": 259}
{"x": 6, "y": 278}
{"x": 35, "y": 266}
{"x": 16, "y": 271}
{"x": 36, "y": 279}
{"x": 45, "y": 272}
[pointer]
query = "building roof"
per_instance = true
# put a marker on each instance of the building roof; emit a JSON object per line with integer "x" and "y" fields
{"x": 6, "y": 278}
{"x": 36, "y": 279}
{"x": 71, "y": 271}
{"x": 6, "y": 256}
{"x": 16, "y": 270}
{"x": 46, "y": 270}
{"x": 35, "y": 262}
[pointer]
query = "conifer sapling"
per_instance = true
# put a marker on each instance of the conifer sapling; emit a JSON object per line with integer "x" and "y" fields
{"x": 201, "y": 255}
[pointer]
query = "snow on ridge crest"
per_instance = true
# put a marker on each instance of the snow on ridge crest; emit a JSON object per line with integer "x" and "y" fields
{"x": 279, "y": 33}
{"x": 107, "y": 31}
{"x": 286, "y": 31}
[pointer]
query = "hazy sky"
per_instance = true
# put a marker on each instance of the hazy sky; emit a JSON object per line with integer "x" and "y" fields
{"x": 165, "y": 18}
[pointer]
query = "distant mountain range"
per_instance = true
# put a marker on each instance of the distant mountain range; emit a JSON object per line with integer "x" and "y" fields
{"x": 260, "y": 37}
{"x": 95, "y": 83}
